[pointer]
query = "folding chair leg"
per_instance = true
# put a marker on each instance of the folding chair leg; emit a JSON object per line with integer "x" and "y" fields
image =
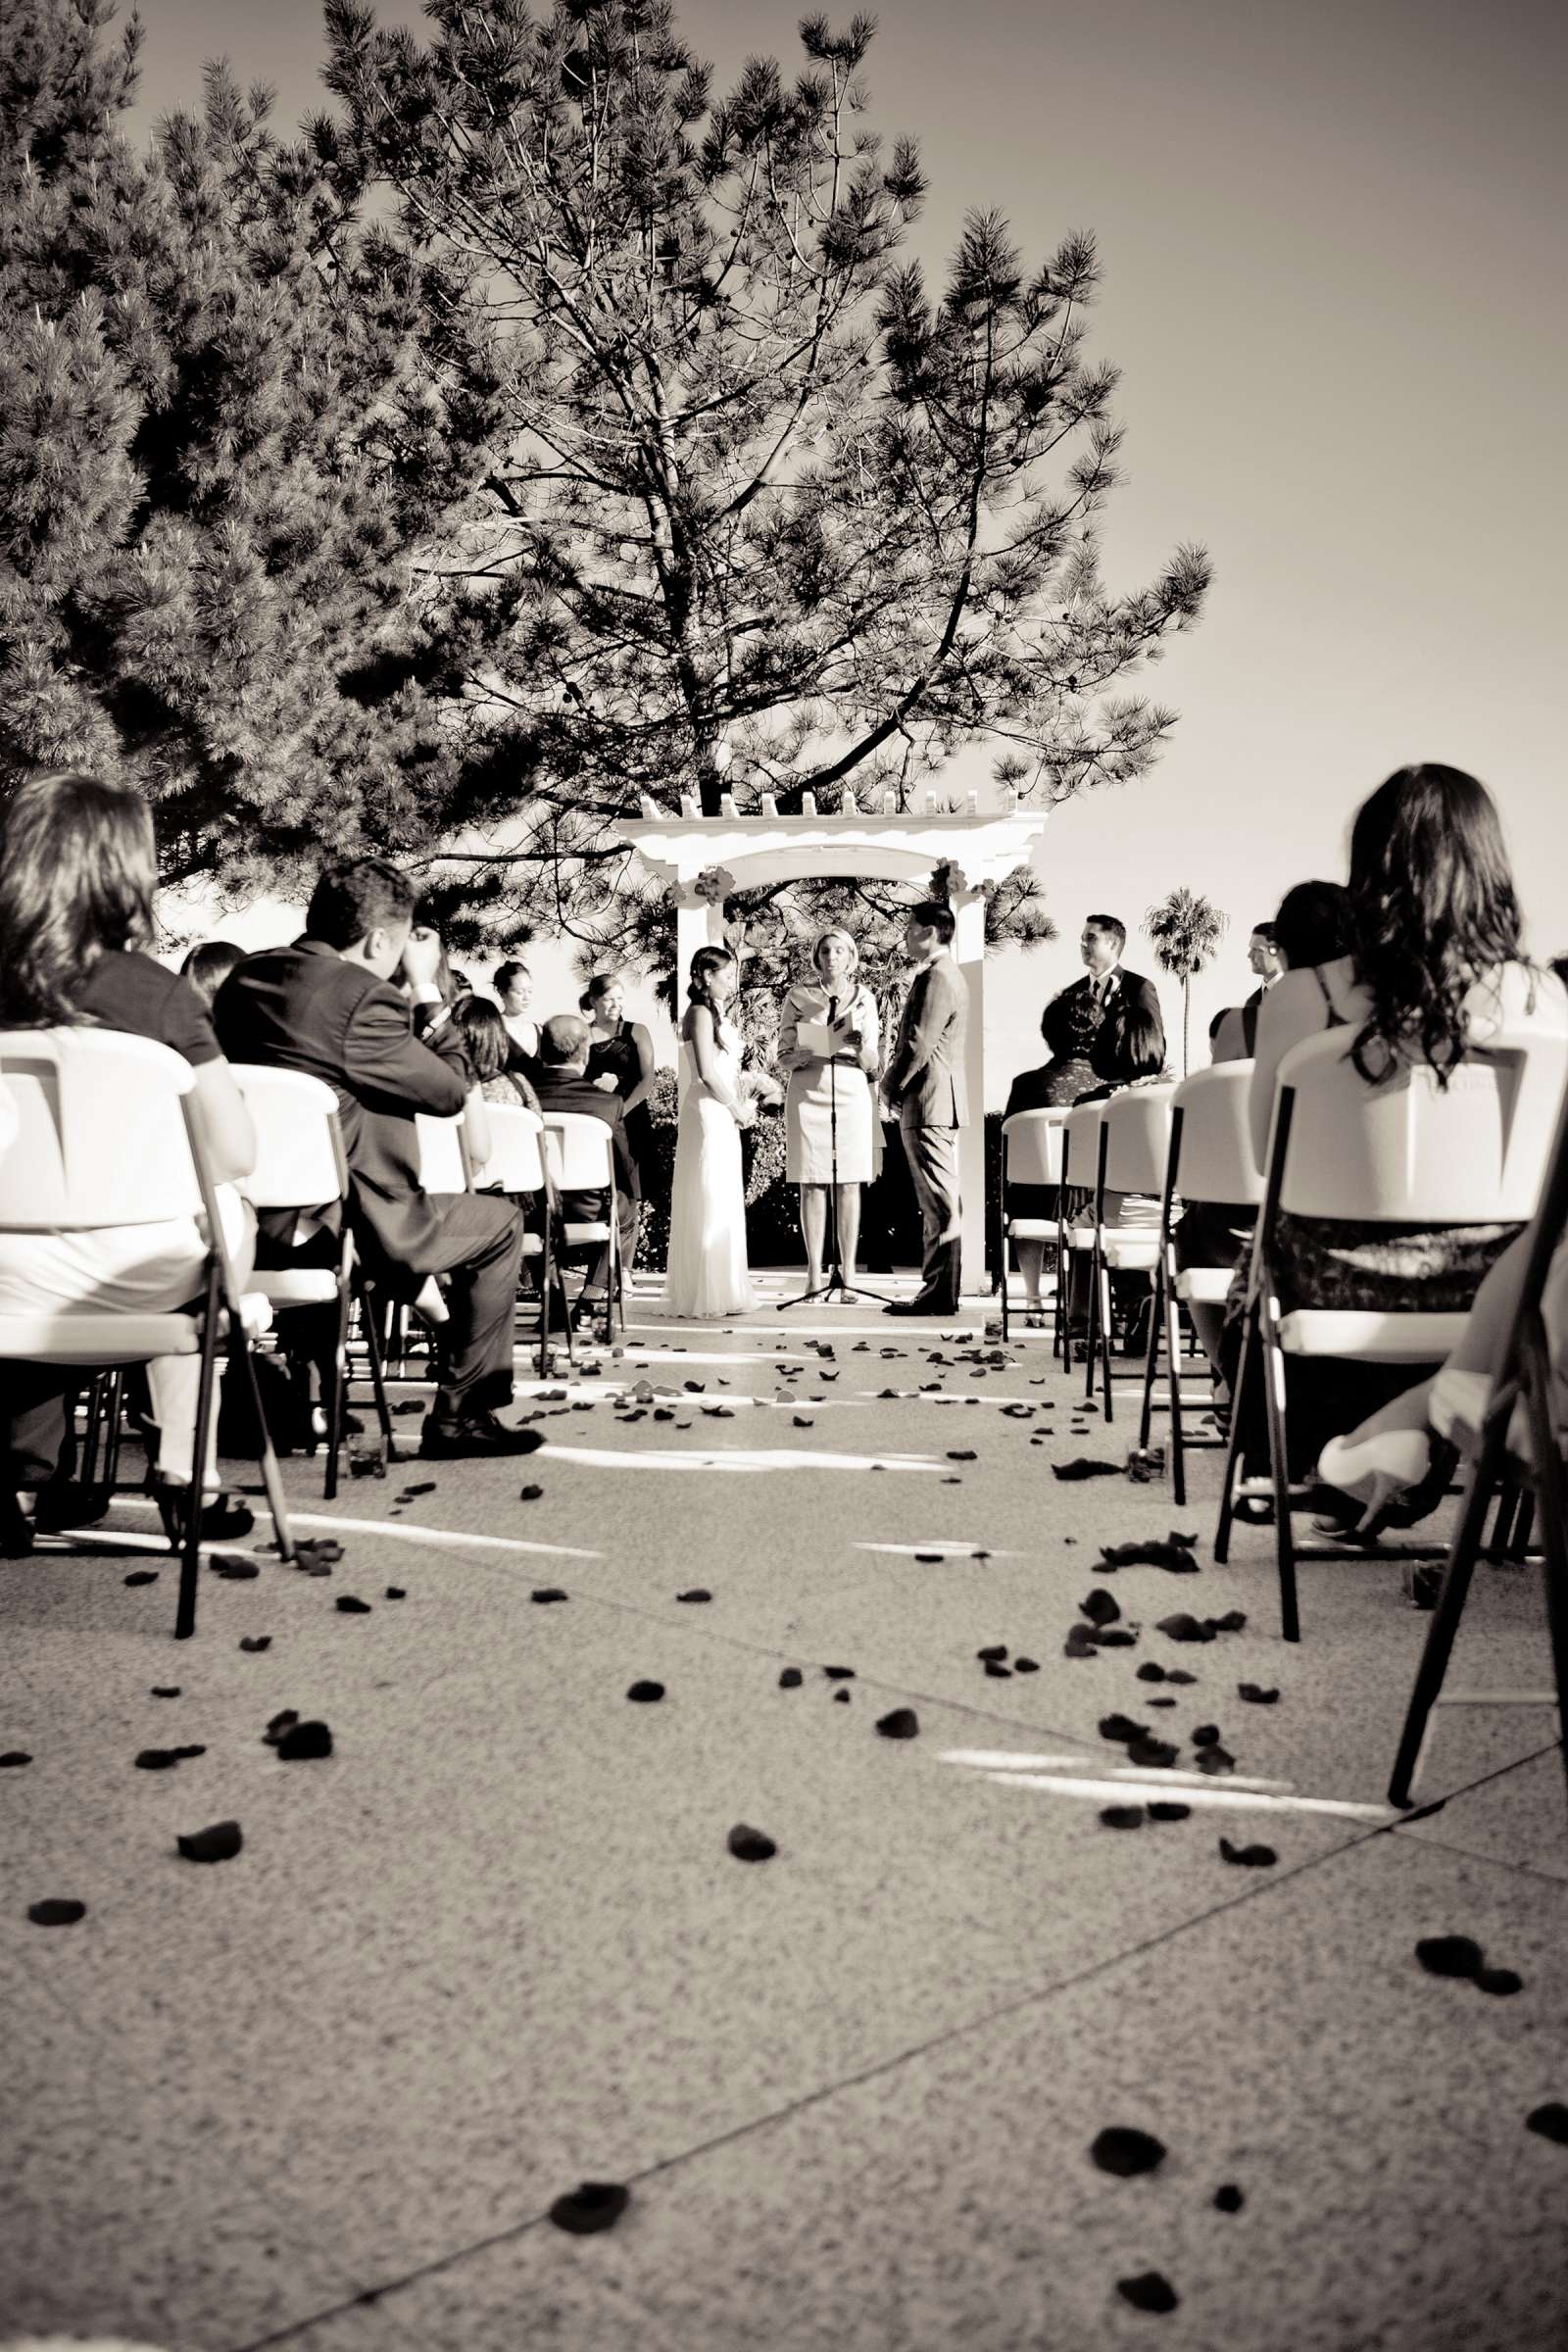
{"x": 1156, "y": 1310}
{"x": 239, "y": 1347}
{"x": 372, "y": 1351}
{"x": 1002, "y": 1270}
{"x": 1094, "y": 1332}
{"x": 1233, "y": 1452}
{"x": 1105, "y": 1342}
{"x": 1441, "y": 1631}
{"x": 1273, "y": 1364}
{"x": 190, "y": 1559}
{"x": 339, "y": 1390}
{"x": 114, "y": 1407}
{"x": 90, "y": 1435}
{"x": 1524, "y": 1522}
{"x": 1174, "y": 1375}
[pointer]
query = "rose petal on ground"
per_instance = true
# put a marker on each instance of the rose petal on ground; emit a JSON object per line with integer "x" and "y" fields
{"x": 1114, "y": 1637}
{"x": 283, "y": 1720}
{"x": 1149, "y": 1672}
{"x": 218, "y": 1844}
{"x": 424, "y": 1485}
{"x": 1126, "y": 2151}
{"x": 962, "y": 1453}
{"x": 1551, "y": 2120}
{"x": 1451, "y": 1956}
{"x": 254, "y": 1642}
{"x": 156, "y": 1759}
{"x": 56, "y": 1911}
{"x": 1179, "y": 1674}
{"x": 1500, "y": 1980}
{"x": 646, "y": 1695}
{"x": 1160, "y": 1702}
{"x": 1159, "y": 1810}
{"x": 791, "y": 1679}
{"x": 349, "y": 1607}
{"x": 1187, "y": 1540}
{"x": 1026, "y": 1665}
{"x": 194, "y": 1749}
{"x": 303, "y": 1740}
{"x": 997, "y": 1672}
{"x": 1173, "y": 1558}
{"x": 1080, "y": 1643}
{"x": 396, "y": 1592}
{"x": 593, "y": 2206}
{"x": 547, "y": 1593}
{"x": 529, "y": 1493}
{"x": 1100, "y": 1606}
{"x": 1231, "y": 1623}
{"x": 698, "y": 1592}
{"x": 166, "y": 1690}
{"x": 839, "y": 1673}
{"x": 750, "y": 1845}
{"x": 230, "y": 1565}
{"x": 902, "y": 1724}
{"x": 1121, "y": 1817}
{"x": 1085, "y": 1467}
{"x": 1150, "y": 2290}
{"x": 1120, "y": 1727}
{"x": 1247, "y": 1858}
{"x": 995, "y": 1649}
{"x": 1184, "y": 1628}
{"x": 142, "y": 1576}
{"x": 1153, "y": 1755}
{"x": 1207, "y": 1736}
{"x": 841, "y": 1698}
{"x": 14, "y": 1758}
{"x": 1255, "y": 1695}
{"x": 1228, "y": 2198}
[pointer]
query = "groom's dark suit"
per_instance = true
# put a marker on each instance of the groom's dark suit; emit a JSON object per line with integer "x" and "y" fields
{"x": 1122, "y": 989}
{"x": 925, "y": 1082}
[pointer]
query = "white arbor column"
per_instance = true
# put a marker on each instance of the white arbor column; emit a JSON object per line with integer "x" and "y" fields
{"x": 969, "y": 948}
{"x": 699, "y": 924}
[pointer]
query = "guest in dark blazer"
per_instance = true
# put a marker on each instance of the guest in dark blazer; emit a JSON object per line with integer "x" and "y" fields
{"x": 1107, "y": 985}
{"x": 326, "y": 1006}
{"x": 564, "y": 1085}
{"x": 925, "y": 1085}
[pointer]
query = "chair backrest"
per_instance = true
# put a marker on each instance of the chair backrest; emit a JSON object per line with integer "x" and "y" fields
{"x": 1031, "y": 1147}
{"x": 1473, "y": 1152}
{"x": 443, "y": 1156}
{"x": 1216, "y": 1160}
{"x": 515, "y": 1165}
{"x": 299, "y": 1147}
{"x": 577, "y": 1151}
{"x": 1138, "y": 1139}
{"x": 101, "y": 1131}
{"x": 1080, "y": 1144}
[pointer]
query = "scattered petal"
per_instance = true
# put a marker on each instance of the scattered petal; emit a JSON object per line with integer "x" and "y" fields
{"x": 156, "y": 1759}
{"x": 1500, "y": 1980}
{"x": 1255, "y": 1695}
{"x": 646, "y": 1695}
{"x": 529, "y": 1493}
{"x": 1085, "y": 1467}
{"x": 142, "y": 1576}
{"x": 791, "y": 1679}
{"x": 1552, "y": 2122}
{"x": 996, "y": 1649}
{"x": 1231, "y": 1623}
{"x": 1184, "y": 1628}
{"x": 283, "y": 1720}
{"x": 962, "y": 1453}
{"x": 841, "y": 1698}
{"x": 349, "y": 1607}
{"x": 997, "y": 1672}
{"x": 1247, "y": 1858}
{"x": 1174, "y": 1557}
{"x": 219, "y": 1843}
{"x": 1451, "y": 1956}
{"x": 751, "y": 1845}
{"x": 303, "y": 1740}
{"x": 14, "y": 1758}
{"x": 1228, "y": 2198}
{"x": 1100, "y": 1606}
{"x": 1080, "y": 1643}
{"x": 1150, "y": 2290}
{"x": 254, "y": 1643}
{"x": 1026, "y": 1665}
{"x": 698, "y": 1592}
{"x": 56, "y": 1911}
{"x": 1216, "y": 1760}
{"x": 1114, "y": 1637}
{"x": 839, "y": 1673}
{"x": 546, "y": 1593}
{"x": 396, "y": 1592}
{"x": 1120, "y": 1727}
{"x": 1207, "y": 1736}
{"x": 902, "y": 1724}
{"x": 232, "y": 1567}
{"x": 1151, "y": 1755}
{"x": 1121, "y": 1817}
{"x": 1122, "y": 2149}
{"x": 594, "y": 2205}
{"x": 166, "y": 1690}
{"x": 1160, "y": 1810}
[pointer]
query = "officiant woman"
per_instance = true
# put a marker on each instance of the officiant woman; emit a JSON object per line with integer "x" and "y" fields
{"x": 831, "y": 1097}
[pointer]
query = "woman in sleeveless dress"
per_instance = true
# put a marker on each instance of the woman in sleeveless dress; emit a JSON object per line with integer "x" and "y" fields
{"x": 708, "y": 1273}
{"x": 620, "y": 1061}
{"x": 831, "y": 1134}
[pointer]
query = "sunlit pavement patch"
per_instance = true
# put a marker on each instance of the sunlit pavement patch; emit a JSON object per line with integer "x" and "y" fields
{"x": 786, "y": 1457}
{"x": 950, "y": 1549}
{"x": 441, "y": 1538}
{"x": 1076, "y": 1776}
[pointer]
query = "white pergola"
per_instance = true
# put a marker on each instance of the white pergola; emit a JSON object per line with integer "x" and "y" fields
{"x": 703, "y": 859}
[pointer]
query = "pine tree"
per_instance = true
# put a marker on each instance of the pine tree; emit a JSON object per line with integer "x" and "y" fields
{"x": 1185, "y": 929}
{"x": 764, "y": 513}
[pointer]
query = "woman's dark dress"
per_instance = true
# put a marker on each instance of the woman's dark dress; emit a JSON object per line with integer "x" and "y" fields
{"x": 1071, "y": 1026}
{"x": 618, "y": 1056}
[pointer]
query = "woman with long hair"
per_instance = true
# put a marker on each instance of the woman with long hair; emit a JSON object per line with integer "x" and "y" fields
{"x": 1434, "y": 962}
{"x": 830, "y": 1132}
{"x": 620, "y": 1061}
{"x": 708, "y": 1273}
{"x": 78, "y": 873}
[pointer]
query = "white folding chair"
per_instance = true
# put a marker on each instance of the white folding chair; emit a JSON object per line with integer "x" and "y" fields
{"x": 106, "y": 1138}
{"x": 1520, "y": 1444}
{"x": 442, "y": 1154}
{"x": 1211, "y": 1159}
{"x": 580, "y": 1157}
{"x": 1134, "y": 1147}
{"x": 1080, "y": 1170}
{"x": 515, "y": 1166}
{"x": 1031, "y": 1154}
{"x": 1408, "y": 1153}
{"x": 300, "y": 1166}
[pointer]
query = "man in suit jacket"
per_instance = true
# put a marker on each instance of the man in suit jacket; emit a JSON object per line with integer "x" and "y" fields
{"x": 564, "y": 1084}
{"x": 326, "y": 1006}
{"x": 924, "y": 1086}
{"x": 1107, "y": 984}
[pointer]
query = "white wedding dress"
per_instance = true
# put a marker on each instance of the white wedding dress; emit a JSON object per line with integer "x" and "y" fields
{"x": 708, "y": 1273}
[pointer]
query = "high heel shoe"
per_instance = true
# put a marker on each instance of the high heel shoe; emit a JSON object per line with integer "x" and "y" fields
{"x": 1398, "y": 1475}
{"x": 223, "y": 1516}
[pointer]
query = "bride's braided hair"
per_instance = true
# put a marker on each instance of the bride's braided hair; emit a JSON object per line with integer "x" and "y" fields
{"x": 705, "y": 963}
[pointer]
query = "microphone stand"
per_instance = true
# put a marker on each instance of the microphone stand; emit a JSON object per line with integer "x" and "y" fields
{"x": 835, "y": 1283}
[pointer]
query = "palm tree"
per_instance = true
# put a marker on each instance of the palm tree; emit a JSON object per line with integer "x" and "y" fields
{"x": 1185, "y": 930}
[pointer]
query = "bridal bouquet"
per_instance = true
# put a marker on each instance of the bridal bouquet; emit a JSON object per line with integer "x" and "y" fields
{"x": 757, "y": 1086}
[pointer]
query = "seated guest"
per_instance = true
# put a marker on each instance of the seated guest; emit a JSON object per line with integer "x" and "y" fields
{"x": 514, "y": 985}
{"x": 207, "y": 967}
{"x": 1128, "y": 1052}
{"x": 1106, "y": 983}
{"x": 77, "y": 874}
{"x": 486, "y": 1042}
{"x": 1231, "y": 1033}
{"x": 326, "y": 1006}
{"x": 1435, "y": 961}
{"x": 620, "y": 1061}
{"x": 565, "y": 1086}
{"x": 1068, "y": 1028}
{"x": 1312, "y": 927}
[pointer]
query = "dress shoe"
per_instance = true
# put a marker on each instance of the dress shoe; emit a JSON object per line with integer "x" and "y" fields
{"x": 479, "y": 1434}
{"x": 16, "y": 1528}
{"x": 66, "y": 1503}
{"x": 919, "y": 1306}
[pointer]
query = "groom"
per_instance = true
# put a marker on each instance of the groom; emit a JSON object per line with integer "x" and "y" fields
{"x": 925, "y": 1092}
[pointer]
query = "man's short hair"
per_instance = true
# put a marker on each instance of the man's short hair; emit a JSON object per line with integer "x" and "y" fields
{"x": 356, "y": 897}
{"x": 1108, "y": 924}
{"x": 1263, "y": 931}
{"x": 563, "y": 1039}
{"x": 935, "y": 915}
{"x": 505, "y": 973}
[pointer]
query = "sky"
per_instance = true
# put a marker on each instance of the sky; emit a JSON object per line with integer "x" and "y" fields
{"x": 1335, "y": 285}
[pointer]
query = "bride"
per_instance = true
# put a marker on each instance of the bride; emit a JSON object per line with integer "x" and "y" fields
{"x": 708, "y": 1273}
